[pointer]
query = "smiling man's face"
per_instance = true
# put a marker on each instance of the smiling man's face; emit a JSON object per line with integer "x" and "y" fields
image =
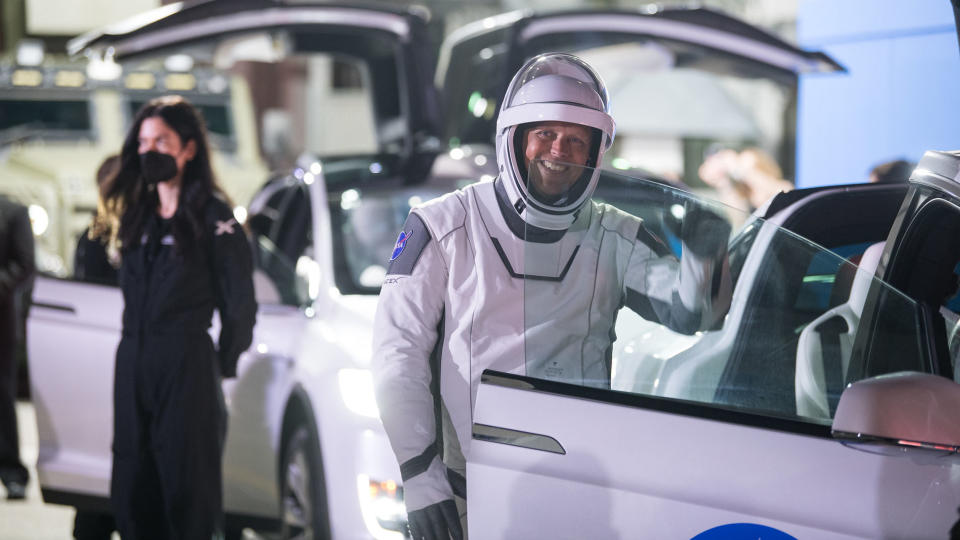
{"x": 552, "y": 147}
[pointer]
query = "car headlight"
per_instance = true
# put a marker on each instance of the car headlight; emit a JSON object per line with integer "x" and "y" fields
{"x": 309, "y": 270}
{"x": 39, "y": 219}
{"x": 356, "y": 388}
{"x": 381, "y": 502}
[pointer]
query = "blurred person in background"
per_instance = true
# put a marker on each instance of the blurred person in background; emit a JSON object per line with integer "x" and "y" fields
{"x": 744, "y": 180}
{"x": 892, "y": 172}
{"x": 183, "y": 254}
{"x": 95, "y": 259}
{"x": 17, "y": 268}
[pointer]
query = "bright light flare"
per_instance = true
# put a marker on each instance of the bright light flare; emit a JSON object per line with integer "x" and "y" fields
{"x": 39, "y": 219}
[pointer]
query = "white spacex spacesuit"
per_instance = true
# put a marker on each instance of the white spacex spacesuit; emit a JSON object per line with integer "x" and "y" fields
{"x": 493, "y": 277}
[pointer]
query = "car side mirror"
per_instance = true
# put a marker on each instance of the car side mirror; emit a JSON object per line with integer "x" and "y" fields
{"x": 905, "y": 409}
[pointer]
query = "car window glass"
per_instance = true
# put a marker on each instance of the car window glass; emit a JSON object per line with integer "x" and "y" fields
{"x": 475, "y": 77}
{"x": 18, "y": 116}
{"x": 925, "y": 267}
{"x": 281, "y": 230}
{"x": 828, "y": 277}
{"x": 366, "y": 223}
{"x": 950, "y": 311}
{"x": 740, "y": 247}
{"x": 780, "y": 343}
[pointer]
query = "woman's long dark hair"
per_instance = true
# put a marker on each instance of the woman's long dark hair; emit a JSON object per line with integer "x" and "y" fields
{"x": 131, "y": 202}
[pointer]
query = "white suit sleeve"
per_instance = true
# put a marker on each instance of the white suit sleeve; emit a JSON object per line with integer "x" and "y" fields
{"x": 407, "y": 336}
{"x": 686, "y": 295}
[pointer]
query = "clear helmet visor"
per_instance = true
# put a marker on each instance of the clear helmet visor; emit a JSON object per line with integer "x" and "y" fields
{"x": 553, "y": 122}
{"x": 558, "y": 160}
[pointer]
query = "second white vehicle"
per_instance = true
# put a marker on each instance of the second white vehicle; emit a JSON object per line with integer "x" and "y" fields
{"x": 305, "y": 451}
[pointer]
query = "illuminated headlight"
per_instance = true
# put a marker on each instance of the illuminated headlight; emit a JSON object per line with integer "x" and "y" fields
{"x": 39, "y": 220}
{"x": 309, "y": 270}
{"x": 356, "y": 388}
{"x": 381, "y": 503}
{"x": 103, "y": 69}
{"x": 240, "y": 214}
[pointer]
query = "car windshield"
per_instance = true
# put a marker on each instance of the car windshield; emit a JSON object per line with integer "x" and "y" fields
{"x": 681, "y": 303}
{"x": 365, "y": 218}
{"x": 675, "y": 103}
{"x": 22, "y": 118}
{"x": 44, "y": 102}
{"x": 366, "y": 222}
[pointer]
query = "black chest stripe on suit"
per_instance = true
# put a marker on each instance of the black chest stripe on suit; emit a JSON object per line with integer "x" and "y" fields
{"x": 514, "y": 274}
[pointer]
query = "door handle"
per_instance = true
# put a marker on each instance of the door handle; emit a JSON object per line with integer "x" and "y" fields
{"x": 51, "y": 305}
{"x": 513, "y": 437}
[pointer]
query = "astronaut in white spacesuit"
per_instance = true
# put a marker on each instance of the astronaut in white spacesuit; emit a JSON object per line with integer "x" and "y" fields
{"x": 524, "y": 274}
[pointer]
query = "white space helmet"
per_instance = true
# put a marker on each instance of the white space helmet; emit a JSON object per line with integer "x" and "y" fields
{"x": 552, "y": 87}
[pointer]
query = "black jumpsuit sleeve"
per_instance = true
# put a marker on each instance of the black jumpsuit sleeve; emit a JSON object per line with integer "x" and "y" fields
{"x": 20, "y": 267}
{"x": 232, "y": 264}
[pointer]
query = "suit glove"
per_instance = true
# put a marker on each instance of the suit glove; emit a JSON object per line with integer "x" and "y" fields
{"x": 439, "y": 521}
{"x": 704, "y": 232}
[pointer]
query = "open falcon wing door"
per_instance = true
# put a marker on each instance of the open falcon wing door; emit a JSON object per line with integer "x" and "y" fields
{"x": 384, "y": 48}
{"x": 682, "y": 82}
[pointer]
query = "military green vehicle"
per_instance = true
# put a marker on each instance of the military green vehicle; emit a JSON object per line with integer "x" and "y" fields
{"x": 60, "y": 120}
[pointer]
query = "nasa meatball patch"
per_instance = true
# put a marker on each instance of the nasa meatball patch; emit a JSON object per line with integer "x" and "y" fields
{"x": 401, "y": 243}
{"x": 410, "y": 243}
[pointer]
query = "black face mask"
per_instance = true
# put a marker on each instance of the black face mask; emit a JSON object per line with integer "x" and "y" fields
{"x": 157, "y": 167}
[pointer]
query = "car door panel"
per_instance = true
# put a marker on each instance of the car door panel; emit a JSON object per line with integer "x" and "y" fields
{"x": 670, "y": 475}
{"x": 74, "y": 447}
{"x": 256, "y": 400}
{"x": 710, "y": 434}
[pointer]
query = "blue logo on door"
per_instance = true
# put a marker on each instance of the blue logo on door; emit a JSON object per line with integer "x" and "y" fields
{"x": 743, "y": 531}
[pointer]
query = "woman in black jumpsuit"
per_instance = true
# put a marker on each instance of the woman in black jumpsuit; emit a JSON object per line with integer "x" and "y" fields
{"x": 182, "y": 256}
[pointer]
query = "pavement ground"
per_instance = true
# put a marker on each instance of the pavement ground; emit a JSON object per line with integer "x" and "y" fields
{"x": 31, "y": 519}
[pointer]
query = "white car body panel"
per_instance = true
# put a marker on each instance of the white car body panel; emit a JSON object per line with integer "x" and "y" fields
{"x": 675, "y": 476}
{"x": 73, "y": 393}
